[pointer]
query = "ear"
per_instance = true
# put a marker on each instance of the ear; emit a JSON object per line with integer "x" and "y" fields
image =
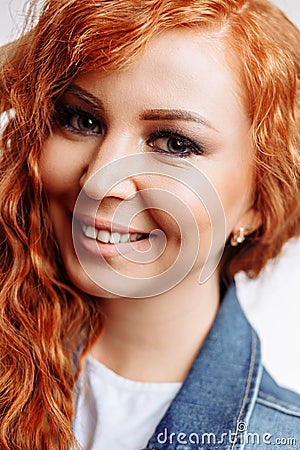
{"x": 249, "y": 222}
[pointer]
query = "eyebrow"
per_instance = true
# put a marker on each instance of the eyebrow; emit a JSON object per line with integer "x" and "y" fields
{"x": 151, "y": 114}
{"x": 176, "y": 114}
{"x": 85, "y": 96}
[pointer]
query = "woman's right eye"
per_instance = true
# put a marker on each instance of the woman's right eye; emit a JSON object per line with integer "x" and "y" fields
{"x": 78, "y": 121}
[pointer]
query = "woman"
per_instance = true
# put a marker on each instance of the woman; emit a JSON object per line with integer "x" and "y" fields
{"x": 143, "y": 138}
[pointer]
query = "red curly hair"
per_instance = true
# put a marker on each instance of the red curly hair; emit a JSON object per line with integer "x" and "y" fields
{"x": 44, "y": 321}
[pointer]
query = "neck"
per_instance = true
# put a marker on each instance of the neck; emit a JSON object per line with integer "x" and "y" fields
{"x": 157, "y": 339}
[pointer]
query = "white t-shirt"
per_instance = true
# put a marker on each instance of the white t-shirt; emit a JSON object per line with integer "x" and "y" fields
{"x": 115, "y": 413}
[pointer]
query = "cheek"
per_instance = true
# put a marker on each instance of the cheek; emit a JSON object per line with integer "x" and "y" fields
{"x": 176, "y": 208}
{"x": 235, "y": 192}
{"x": 184, "y": 220}
{"x": 60, "y": 168}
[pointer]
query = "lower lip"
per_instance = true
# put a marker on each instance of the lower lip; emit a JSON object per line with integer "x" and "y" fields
{"x": 98, "y": 248}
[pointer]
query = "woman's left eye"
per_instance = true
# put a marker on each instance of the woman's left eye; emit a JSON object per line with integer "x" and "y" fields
{"x": 78, "y": 121}
{"x": 173, "y": 144}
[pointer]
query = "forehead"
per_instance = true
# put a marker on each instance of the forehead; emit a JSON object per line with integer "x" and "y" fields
{"x": 186, "y": 44}
{"x": 180, "y": 68}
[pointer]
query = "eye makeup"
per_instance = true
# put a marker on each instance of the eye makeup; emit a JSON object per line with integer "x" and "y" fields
{"x": 82, "y": 117}
{"x": 77, "y": 120}
{"x": 174, "y": 143}
{"x": 166, "y": 140}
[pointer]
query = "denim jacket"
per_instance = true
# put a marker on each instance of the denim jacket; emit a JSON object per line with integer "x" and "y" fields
{"x": 228, "y": 401}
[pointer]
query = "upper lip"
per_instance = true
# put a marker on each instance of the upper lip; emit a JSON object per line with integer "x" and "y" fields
{"x": 103, "y": 224}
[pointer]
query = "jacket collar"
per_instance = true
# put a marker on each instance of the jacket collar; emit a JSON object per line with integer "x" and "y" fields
{"x": 212, "y": 408}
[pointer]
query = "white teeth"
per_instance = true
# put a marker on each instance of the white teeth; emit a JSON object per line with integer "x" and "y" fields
{"x": 107, "y": 237}
{"x": 91, "y": 232}
{"x": 124, "y": 238}
{"x": 115, "y": 238}
{"x": 103, "y": 236}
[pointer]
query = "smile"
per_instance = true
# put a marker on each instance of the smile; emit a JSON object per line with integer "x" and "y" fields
{"x": 107, "y": 237}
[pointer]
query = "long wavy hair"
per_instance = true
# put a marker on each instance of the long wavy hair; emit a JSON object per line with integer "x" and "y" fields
{"x": 46, "y": 325}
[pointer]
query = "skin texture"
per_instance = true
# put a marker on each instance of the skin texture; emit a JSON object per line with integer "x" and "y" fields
{"x": 155, "y": 339}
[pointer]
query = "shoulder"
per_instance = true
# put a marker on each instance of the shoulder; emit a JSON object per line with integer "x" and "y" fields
{"x": 275, "y": 418}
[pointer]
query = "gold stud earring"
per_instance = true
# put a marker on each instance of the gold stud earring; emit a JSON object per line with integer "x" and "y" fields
{"x": 239, "y": 236}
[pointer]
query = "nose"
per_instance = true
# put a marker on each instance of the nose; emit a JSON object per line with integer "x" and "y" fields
{"x": 103, "y": 175}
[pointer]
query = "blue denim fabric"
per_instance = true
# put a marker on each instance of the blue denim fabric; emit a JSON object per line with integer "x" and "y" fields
{"x": 228, "y": 401}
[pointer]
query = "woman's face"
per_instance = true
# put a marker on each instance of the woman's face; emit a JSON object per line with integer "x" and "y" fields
{"x": 179, "y": 100}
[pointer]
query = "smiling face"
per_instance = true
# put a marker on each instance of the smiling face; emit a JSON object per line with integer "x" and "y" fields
{"x": 179, "y": 100}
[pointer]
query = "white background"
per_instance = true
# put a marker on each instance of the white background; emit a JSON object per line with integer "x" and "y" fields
{"x": 272, "y": 302}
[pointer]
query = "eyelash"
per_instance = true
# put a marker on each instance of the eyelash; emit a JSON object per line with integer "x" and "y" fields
{"x": 169, "y": 134}
{"x": 66, "y": 113}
